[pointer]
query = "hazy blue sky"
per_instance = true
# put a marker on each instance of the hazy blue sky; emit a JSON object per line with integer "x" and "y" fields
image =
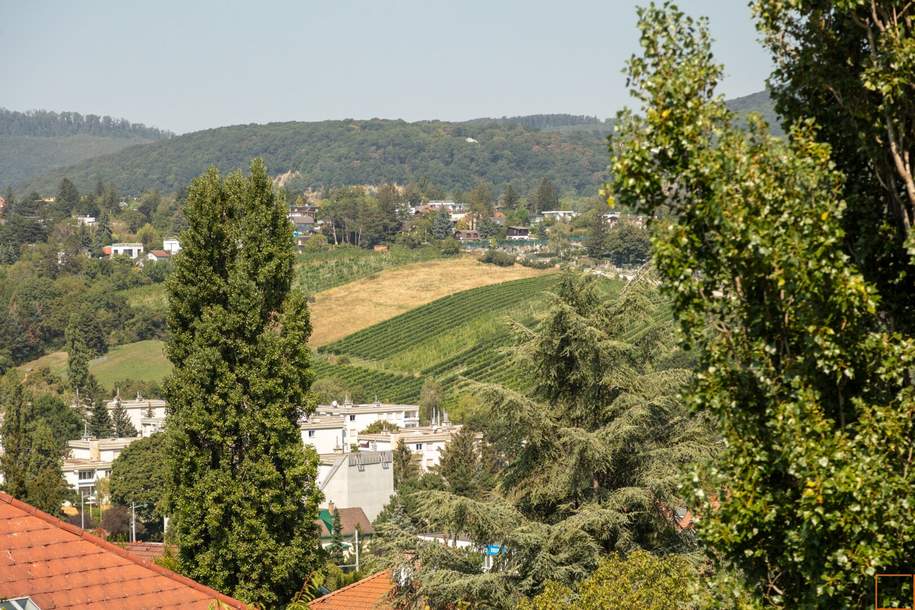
{"x": 188, "y": 65}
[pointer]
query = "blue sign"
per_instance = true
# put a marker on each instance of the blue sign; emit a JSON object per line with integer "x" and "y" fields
{"x": 492, "y": 550}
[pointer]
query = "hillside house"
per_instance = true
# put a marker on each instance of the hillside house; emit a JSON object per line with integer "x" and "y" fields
{"x": 559, "y": 215}
{"x": 132, "y": 250}
{"x": 326, "y": 433}
{"x": 517, "y": 232}
{"x": 357, "y": 417}
{"x": 86, "y": 221}
{"x": 157, "y": 256}
{"x": 363, "y": 478}
{"x": 89, "y": 460}
{"x": 467, "y": 235}
{"x": 172, "y": 246}
{"x": 303, "y": 224}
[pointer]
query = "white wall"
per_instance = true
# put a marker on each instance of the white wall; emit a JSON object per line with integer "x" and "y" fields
{"x": 369, "y": 488}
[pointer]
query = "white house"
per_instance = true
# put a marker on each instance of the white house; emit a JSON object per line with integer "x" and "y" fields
{"x": 134, "y": 251}
{"x": 158, "y": 255}
{"x": 559, "y": 214}
{"x": 426, "y": 442}
{"x": 363, "y": 478}
{"x": 172, "y": 246}
{"x": 86, "y": 221}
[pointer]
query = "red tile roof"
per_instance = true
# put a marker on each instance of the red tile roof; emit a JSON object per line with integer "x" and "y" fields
{"x": 367, "y": 594}
{"x": 146, "y": 550}
{"x": 160, "y": 253}
{"x": 59, "y": 565}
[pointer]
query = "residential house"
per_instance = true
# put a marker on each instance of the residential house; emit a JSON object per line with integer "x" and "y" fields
{"x": 467, "y": 235}
{"x": 86, "y": 221}
{"x": 172, "y": 246}
{"x": 357, "y": 417}
{"x": 303, "y": 224}
{"x": 351, "y": 519}
{"x": 133, "y": 250}
{"x": 364, "y": 479}
{"x": 326, "y": 433}
{"x": 157, "y": 256}
{"x": 51, "y": 564}
{"x": 517, "y": 232}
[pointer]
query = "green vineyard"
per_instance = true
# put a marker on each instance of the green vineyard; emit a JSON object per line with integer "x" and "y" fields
{"x": 419, "y": 325}
{"x": 387, "y": 387}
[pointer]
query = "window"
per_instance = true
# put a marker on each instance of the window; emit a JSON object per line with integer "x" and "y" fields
{"x": 352, "y": 418}
{"x": 385, "y": 465}
{"x": 86, "y": 475}
{"x": 311, "y": 433}
{"x": 419, "y": 446}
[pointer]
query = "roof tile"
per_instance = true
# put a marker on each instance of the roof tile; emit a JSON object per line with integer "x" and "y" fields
{"x": 60, "y": 566}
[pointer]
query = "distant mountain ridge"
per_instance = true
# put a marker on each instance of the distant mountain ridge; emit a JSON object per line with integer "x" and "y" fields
{"x": 33, "y": 142}
{"x": 570, "y": 150}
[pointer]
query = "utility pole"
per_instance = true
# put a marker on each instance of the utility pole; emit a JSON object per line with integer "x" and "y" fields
{"x": 357, "y": 548}
{"x": 133, "y": 521}
{"x": 82, "y": 509}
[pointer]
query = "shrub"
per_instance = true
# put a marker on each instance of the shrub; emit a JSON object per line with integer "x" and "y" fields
{"x": 498, "y": 258}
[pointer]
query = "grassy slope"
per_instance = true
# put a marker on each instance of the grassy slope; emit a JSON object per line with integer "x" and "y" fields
{"x": 143, "y": 361}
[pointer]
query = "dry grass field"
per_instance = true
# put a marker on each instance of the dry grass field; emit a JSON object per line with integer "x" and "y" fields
{"x": 345, "y": 309}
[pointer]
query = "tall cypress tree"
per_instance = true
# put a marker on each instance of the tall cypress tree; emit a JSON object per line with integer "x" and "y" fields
{"x": 46, "y": 488}
{"x": 14, "y": 406}
{"x": 78, "y": 354}
{"x": 242, "y": 493}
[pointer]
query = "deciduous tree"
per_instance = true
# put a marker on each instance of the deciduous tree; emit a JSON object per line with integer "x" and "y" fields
{"x": 241, "y": 491}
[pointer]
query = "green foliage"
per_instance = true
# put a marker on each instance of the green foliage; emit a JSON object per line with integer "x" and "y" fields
{"x": 341, "y": 153}
{"x": 809, "y": 381}
{"x": 32, "y": 456}
{"x": 100, "y": 424}
{"x": 849, "y": 66}
{"x": 430, "y": 401}
{"x": 336, "y": 540}
{"x": 593, "y": 456}
{"x": 405, "y": 467}
{"x": 241, "y": 489}
{"x": 120, "y": 421}
{"x": 363, "y": 383}
{"x": 638, "y": 580}
{"x": 546, "y": 197}
{"x": 139, "y": 475}
{"x": 380, "y": 426}
{"x": 467, "y": 469}
{"x": 328, "y": 389}
{"x": 596, "y": 239}
{"x": 441, "y": 225}
{"x": 627, "y": 244}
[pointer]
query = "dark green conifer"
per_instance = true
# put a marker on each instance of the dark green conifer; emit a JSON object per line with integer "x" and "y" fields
{"x": 120, "y": 421}
{"x": 100, "y": 425}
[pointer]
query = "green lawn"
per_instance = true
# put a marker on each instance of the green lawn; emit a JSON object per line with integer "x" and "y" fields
{"x": 143, "y": 361}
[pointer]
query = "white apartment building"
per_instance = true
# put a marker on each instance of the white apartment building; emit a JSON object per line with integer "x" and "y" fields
{"x": 427, "y": 442}
{"x": 364, "y": 479}
{"x": 90, "y": 460}
{"x": 357, "y": 417}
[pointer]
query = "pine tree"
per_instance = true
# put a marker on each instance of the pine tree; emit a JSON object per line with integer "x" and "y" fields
{"x": 596, "y": 240}
{"x": 405, "y": 467}
{"x": 67, "y": 196}
{"x": 242, "y": 494}
{"x": 546, "y": 197}
{"x": 120, "y": 421}
{"x": 462, "y": 465}
{"x": 336, "y": 540}
{"x": 100, "y": 425}
{"x": 441, "y": 225}
{"x": 510, "y": 198}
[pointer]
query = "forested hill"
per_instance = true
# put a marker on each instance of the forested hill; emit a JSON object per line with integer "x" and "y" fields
{"x": 33, "y": 142}
{"x": 569, "y": 150}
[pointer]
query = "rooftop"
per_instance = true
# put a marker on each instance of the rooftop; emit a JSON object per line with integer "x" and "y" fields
{"x": 349, "y": 519}
{"x": 59, "y": 566}
{"x": 366, "y": 594}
